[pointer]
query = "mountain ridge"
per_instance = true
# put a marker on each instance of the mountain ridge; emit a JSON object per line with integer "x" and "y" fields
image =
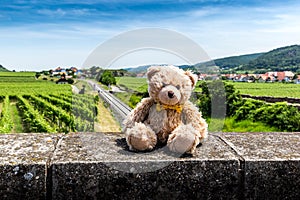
{"x": 280, "y": 59}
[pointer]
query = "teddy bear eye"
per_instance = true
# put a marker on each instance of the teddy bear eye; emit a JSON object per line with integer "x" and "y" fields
{"x": 178, "y": 87}
{"x": 164, "y": 84}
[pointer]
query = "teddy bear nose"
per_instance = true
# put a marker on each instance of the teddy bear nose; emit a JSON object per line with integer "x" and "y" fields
{"x": 170, "y": 94}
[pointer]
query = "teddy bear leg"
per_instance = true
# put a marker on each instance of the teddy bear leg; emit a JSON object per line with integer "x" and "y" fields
{"x": 140, "y": 137}
{"x": 183, "y": 139}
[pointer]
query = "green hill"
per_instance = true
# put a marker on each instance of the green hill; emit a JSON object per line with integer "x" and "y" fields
{"x": 225, "y": 65}
{"x": 280, "y": 59}
{"x": 236, "y": 61}
{"x": 3, "y": 69}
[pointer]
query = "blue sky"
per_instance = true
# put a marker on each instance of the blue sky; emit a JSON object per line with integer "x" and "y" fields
{"x": 36, "y": 35}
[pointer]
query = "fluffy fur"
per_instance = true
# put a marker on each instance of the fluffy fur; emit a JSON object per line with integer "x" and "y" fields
{"x": 167, "y": 116}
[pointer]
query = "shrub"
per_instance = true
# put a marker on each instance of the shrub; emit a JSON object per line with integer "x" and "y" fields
{"x": 134, "y": 99}
{"x": 70, "y": 81}
{"x": 222, "y": 96}
{"x": 280, "y": 115}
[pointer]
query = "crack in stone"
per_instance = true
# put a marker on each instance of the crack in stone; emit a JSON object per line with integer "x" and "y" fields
{"x": 242, "y": 175}
{"x": 48, "y": 168}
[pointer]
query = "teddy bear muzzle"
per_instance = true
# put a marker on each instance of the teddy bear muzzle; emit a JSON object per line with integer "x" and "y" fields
{"x": 169, "y": 95}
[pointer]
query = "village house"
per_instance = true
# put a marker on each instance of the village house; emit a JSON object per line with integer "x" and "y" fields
{"x": 269, "y": 77}
{"x": 208, "y": 77}
{"x": 285, "y": 76}
{"x": 264, "y": 78}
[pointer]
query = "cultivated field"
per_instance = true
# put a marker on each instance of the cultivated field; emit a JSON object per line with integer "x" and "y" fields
{"x": 255, "y": 89}
{"x": 29, "y": 105}
{"x": 269, "y": 89}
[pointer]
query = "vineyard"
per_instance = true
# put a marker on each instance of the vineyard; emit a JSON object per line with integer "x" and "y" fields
{"x": 29, "y": 105}
{"x": 241, "y": 114}
{"x": 254, "y": 89}
{"x": 268, "y": 89}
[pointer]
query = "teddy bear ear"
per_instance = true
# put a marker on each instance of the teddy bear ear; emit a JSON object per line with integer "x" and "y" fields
{"x": 152, "y": 70}
{"x": 192, "y": 76}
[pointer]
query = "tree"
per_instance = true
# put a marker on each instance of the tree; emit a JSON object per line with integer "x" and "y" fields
{"x": 37, "y": 75}
{"x": 221, "y": 95}
{"x": 107, "y": 78}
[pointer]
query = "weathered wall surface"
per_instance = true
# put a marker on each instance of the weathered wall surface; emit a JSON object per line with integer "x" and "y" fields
{"x": 99, "y": 166}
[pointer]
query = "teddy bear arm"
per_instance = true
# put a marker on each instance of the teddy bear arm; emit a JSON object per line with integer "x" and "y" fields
{"x": 139, "y": 113}
{"x": 194, "y": 118}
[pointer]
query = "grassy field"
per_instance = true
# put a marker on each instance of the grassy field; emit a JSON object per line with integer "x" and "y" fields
{"x": 17, "y": 74}
{"x": 230, "y": 125}
{"x": 268, "y": 89}
{"x": 255, "y": 89}
{"x": 133, "y": 83}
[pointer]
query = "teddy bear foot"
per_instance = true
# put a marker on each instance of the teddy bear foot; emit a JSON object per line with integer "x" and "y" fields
{"x": 140, "y": 137}
{"x": 183, "y": 140}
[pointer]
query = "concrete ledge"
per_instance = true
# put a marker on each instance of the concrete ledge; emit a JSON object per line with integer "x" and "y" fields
{"x": 99, "y": 166}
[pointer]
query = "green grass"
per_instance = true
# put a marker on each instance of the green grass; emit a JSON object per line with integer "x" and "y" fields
{"x": 22, "y": 74}
{"x": 19, "y": 88}
{"x": 133, "y": 83}
{"x": 230, "y": 125}
{"x": 268, "y": 89}
{"x": 17, "y": 121}
{"x": 124, "y": 97}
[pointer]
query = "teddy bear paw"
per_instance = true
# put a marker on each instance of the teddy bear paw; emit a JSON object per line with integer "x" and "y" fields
{"x": 182, "y": 141}
{"x": 141, "y": 138}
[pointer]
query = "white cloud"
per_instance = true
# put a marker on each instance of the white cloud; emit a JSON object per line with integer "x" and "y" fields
{"x": 221, "y": 31}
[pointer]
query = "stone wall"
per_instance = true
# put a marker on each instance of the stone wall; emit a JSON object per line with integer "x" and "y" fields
{"x": 99, "y": 166}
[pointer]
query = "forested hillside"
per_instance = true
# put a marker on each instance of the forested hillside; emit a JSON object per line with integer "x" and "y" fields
{"x": 236, "y": 61}
{"x": 281, "y": 59}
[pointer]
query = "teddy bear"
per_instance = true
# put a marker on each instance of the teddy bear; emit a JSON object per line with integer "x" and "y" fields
{"x": 167, "y": 117}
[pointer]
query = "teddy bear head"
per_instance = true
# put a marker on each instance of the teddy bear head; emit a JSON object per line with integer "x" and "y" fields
{"x": 170, "y": 85}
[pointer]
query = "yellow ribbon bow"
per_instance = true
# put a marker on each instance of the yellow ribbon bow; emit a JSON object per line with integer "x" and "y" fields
{"x": 160, "y": 107}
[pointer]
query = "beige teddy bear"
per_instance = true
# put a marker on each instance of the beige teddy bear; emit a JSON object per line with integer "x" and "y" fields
{"x": 167, "y": 116}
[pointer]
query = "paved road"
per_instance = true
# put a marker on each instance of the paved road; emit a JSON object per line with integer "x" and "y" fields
{"x": 119, "y": 108}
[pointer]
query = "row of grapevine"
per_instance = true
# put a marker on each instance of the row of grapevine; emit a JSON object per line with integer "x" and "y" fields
{"x": 6, "y": 122}
{"x": 57, "y": 102}
{"x": 85, "y": 110}
{"x": 34, "y": 120}
{"x": 63, "y": 120}
{"x": 67, "y": 98}
{"x": 68, "y": 117}
{"x": 80, "y": 100}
